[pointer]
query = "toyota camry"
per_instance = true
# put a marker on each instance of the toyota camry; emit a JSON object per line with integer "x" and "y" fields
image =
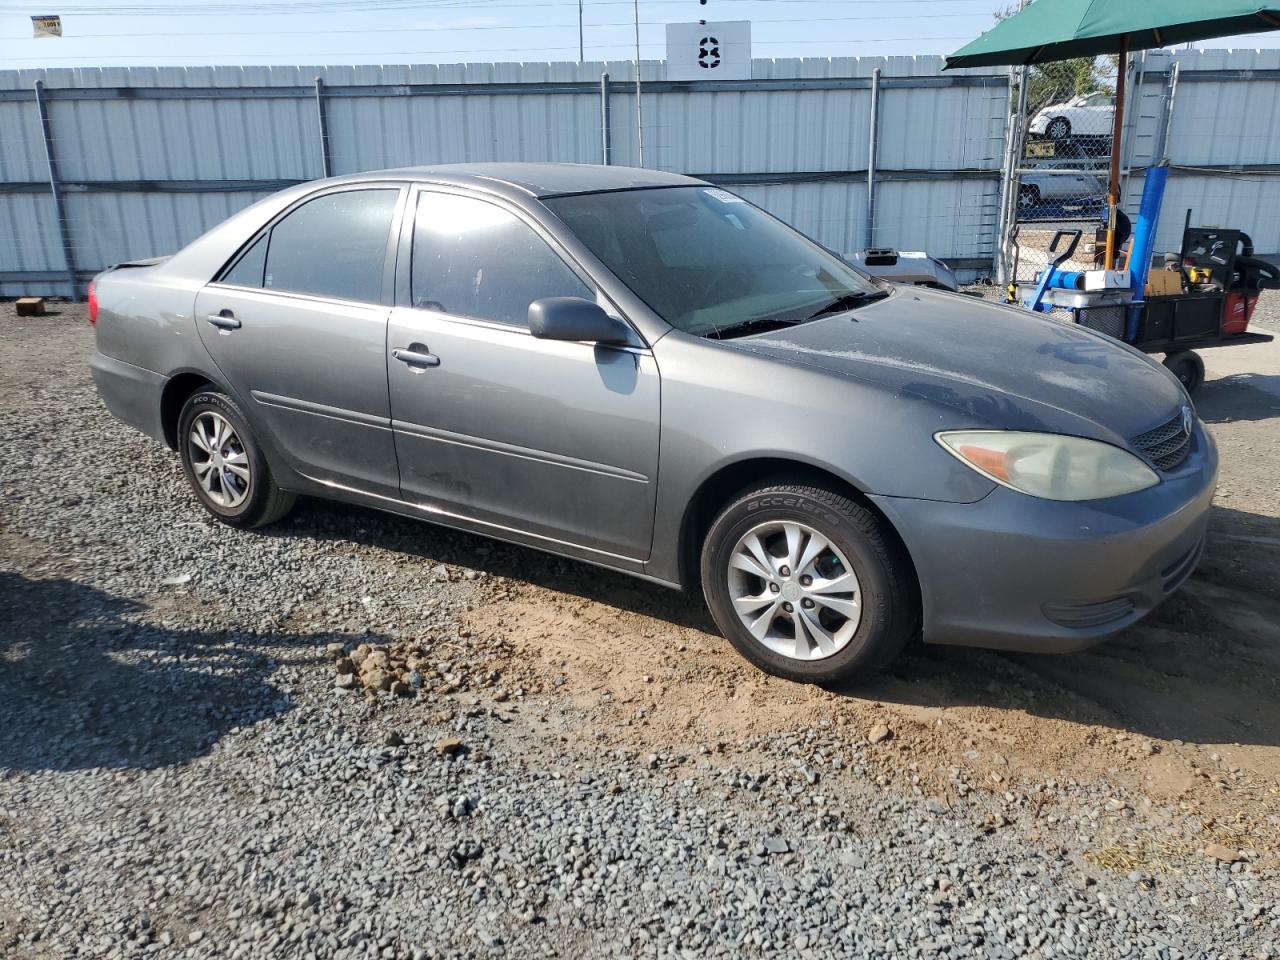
{"x": 647, "y": 372}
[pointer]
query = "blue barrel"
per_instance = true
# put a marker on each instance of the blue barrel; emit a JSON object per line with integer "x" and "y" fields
{"x": 1144, "y": 230}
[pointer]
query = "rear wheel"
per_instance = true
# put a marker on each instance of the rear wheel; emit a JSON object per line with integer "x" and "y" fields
{"x": 1059, "y": 128}
{"x": 224, "y": 464}
{"x": 1028, "y": 196}
{"x": 808, "y": 584}
{"x": 1187, "y": 366}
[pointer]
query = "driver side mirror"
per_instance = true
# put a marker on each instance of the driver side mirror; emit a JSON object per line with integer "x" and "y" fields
{"x": 575, "y": 319}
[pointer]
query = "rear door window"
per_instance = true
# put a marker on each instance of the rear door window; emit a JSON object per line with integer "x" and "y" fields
{"x": 248, "y": 270}
{"x": 334, "y": 246}
{"x": 474, "y": 259}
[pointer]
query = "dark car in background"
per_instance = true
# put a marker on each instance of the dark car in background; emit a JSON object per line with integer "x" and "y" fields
{"x": 646, "y": 372}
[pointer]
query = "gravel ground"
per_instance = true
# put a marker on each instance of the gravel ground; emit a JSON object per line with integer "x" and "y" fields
{"x": 579, "y": 766}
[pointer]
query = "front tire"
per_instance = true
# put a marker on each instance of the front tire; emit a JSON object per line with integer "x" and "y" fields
{"x": 808, "y": 584}
{"x": 224, "y": 464}
{"x": 1059, "y": 128}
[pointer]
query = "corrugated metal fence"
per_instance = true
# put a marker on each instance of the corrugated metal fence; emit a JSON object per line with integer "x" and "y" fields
{"x": 103, "y": 165}
{"x": 138, "y": 161}
{"x": 1216, "y": 115}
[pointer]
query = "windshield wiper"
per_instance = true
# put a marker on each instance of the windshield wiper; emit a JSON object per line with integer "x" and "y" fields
{"x": 847, "y": 301}
{"x": 755, "y": 325}
{"x": 843, "y": 302}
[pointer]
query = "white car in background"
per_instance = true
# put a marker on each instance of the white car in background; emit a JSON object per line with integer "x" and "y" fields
{"x": 1089, "y": 115}
{"x": 1057, "y": 179}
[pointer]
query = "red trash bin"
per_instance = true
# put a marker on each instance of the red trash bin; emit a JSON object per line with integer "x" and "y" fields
{"x": 1238, "y": 310}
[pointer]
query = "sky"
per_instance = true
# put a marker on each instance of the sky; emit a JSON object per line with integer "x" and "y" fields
{"x": 190, "y": 32}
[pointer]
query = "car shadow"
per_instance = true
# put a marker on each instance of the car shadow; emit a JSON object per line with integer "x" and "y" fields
{"x": 437, "y": 544}
{"x": 1202, "y": 668}
{"x": 1239, "y": 396}
{"x": 85, "y": 684}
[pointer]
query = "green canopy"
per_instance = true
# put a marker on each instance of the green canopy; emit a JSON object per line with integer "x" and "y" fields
{"x": 1049, "y": 30}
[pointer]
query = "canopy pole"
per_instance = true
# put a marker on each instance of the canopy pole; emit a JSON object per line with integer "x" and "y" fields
{"x": 1117, "y": 127}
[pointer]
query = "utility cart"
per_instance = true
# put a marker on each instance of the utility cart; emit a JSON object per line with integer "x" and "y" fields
{"x": 1204, "y": 297}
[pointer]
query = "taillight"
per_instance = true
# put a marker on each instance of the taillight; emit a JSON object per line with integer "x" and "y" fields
{"x": 93, "y": 305}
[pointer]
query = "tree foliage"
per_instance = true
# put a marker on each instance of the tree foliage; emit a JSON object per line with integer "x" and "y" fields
{"x": 1064, "y": 79}
{"x": 1055, "y": 82}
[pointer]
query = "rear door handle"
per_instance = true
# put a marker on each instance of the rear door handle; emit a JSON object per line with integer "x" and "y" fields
{"x": 223, "y": 321}
{"x": 416, "y": 357}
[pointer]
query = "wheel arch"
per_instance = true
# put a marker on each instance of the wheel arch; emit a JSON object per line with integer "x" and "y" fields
{"x": 731, "y": 479}
{"x": 176, "y": 392}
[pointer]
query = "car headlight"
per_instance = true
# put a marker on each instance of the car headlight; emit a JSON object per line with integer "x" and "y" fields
{"x": 1049, "y": 465}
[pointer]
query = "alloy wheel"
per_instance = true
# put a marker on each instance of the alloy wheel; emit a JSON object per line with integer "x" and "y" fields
{"x": 218, "y": 459}
{"x": 794, "y": 590}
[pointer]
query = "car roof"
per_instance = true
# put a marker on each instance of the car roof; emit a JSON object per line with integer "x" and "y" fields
{"x": 536, "y": 179}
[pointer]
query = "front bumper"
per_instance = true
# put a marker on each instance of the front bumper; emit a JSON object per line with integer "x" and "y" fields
{"x": 1014, "y": 572}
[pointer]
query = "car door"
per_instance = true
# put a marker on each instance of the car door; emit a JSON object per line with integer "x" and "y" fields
{"x": 546, "y": 440}
{"x": 297, "y": 324}
{"x": 1096, "y": 116}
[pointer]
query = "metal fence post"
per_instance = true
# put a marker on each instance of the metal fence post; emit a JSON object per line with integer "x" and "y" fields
{"x": 606, "y": 133}
{"x": 1133, "y": 117}
{"x": 55, "y": 190}
{"x": 639, "y": 101}
{"x": 999, "y": 265}
{"x": 1009, "y": 194}
{"x": 873, "y": 143}
{"x": 322, "y": 115}
{"x": 1171, "y": 96}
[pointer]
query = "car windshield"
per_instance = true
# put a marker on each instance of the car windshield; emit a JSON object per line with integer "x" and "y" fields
{"x": 708, "y": 262}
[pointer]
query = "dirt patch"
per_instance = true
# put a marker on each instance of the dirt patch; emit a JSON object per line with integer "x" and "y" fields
{"x": 1004, "y": 722}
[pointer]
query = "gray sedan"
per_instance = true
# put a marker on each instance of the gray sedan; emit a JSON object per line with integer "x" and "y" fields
{"x": 643, "y": 371}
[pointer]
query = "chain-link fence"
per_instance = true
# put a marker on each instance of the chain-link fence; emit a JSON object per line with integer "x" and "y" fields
{"x": 1061, "y": 169}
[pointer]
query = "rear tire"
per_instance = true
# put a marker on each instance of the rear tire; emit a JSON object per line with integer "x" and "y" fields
{"x": 1188, "y": 367}
{"x": 855, "y": 596}
{"x": 224, "y": 464}
{"x": 1059, "y": 128}
{"x": 1028, "y": 196}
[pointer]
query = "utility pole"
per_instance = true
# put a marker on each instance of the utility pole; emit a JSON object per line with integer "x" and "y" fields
{"x": 581, "y": 48}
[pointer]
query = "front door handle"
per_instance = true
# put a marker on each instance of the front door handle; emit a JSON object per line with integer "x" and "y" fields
{"x": 223, "y": 321}
{"x": 416, "y": 355}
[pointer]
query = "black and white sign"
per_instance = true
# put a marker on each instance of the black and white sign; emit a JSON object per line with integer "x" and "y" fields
{"x": 46, "y": 26}
{"x": 709, "y": 51}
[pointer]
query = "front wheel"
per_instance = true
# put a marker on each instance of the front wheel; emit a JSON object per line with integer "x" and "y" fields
{"x": 808, "y": 584}
{"x": 224, "y": 464}
{"x": 1059, "y": 128}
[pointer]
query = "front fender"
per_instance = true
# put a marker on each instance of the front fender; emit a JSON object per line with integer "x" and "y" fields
{"x": 722, "y": 407}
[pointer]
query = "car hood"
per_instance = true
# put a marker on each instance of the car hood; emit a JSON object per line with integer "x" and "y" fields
{"x": 986, "y": 365}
